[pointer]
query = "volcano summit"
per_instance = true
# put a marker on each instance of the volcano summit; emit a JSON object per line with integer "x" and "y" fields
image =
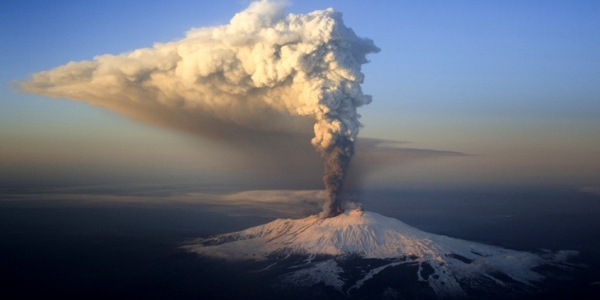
{"x": 348, "y": 252}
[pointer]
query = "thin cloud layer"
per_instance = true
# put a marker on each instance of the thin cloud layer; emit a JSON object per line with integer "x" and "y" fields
{"x": 263, "y": 203}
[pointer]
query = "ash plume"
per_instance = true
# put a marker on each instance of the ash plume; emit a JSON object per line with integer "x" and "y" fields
{"x": 265, "y": 72}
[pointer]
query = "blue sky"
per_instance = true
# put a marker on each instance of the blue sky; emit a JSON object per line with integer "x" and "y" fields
{"x": 512, "y": 84}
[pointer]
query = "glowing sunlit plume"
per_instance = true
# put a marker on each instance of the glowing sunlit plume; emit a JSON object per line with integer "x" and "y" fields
{"x": 264, "y": 72}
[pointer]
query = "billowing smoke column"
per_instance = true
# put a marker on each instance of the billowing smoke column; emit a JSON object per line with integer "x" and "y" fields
{"x": 260, "y": 72}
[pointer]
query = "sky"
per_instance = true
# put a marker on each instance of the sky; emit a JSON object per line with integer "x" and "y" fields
{"x": 464, "y": 95}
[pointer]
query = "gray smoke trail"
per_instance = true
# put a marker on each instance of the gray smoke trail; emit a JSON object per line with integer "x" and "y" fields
{"x": 337, "y": 159}
{"x": 263, "y": 72}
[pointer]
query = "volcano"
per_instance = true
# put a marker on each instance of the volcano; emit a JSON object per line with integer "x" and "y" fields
{"x": 356, "y": 249}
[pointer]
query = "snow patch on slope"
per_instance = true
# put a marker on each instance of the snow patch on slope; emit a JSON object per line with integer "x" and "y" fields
{"x": 326, "y": 272}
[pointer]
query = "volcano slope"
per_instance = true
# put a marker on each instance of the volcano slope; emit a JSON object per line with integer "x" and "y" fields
{"x": 359, "y": 253}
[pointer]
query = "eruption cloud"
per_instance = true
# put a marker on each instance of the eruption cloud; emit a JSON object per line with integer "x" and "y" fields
{"x": 265, "y": 72}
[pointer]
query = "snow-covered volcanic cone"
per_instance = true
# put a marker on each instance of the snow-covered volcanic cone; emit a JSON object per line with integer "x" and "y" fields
{"x": 451, "y": 267}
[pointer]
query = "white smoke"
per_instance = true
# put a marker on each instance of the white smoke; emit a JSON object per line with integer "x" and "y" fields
{"x": 264, "y": 71}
